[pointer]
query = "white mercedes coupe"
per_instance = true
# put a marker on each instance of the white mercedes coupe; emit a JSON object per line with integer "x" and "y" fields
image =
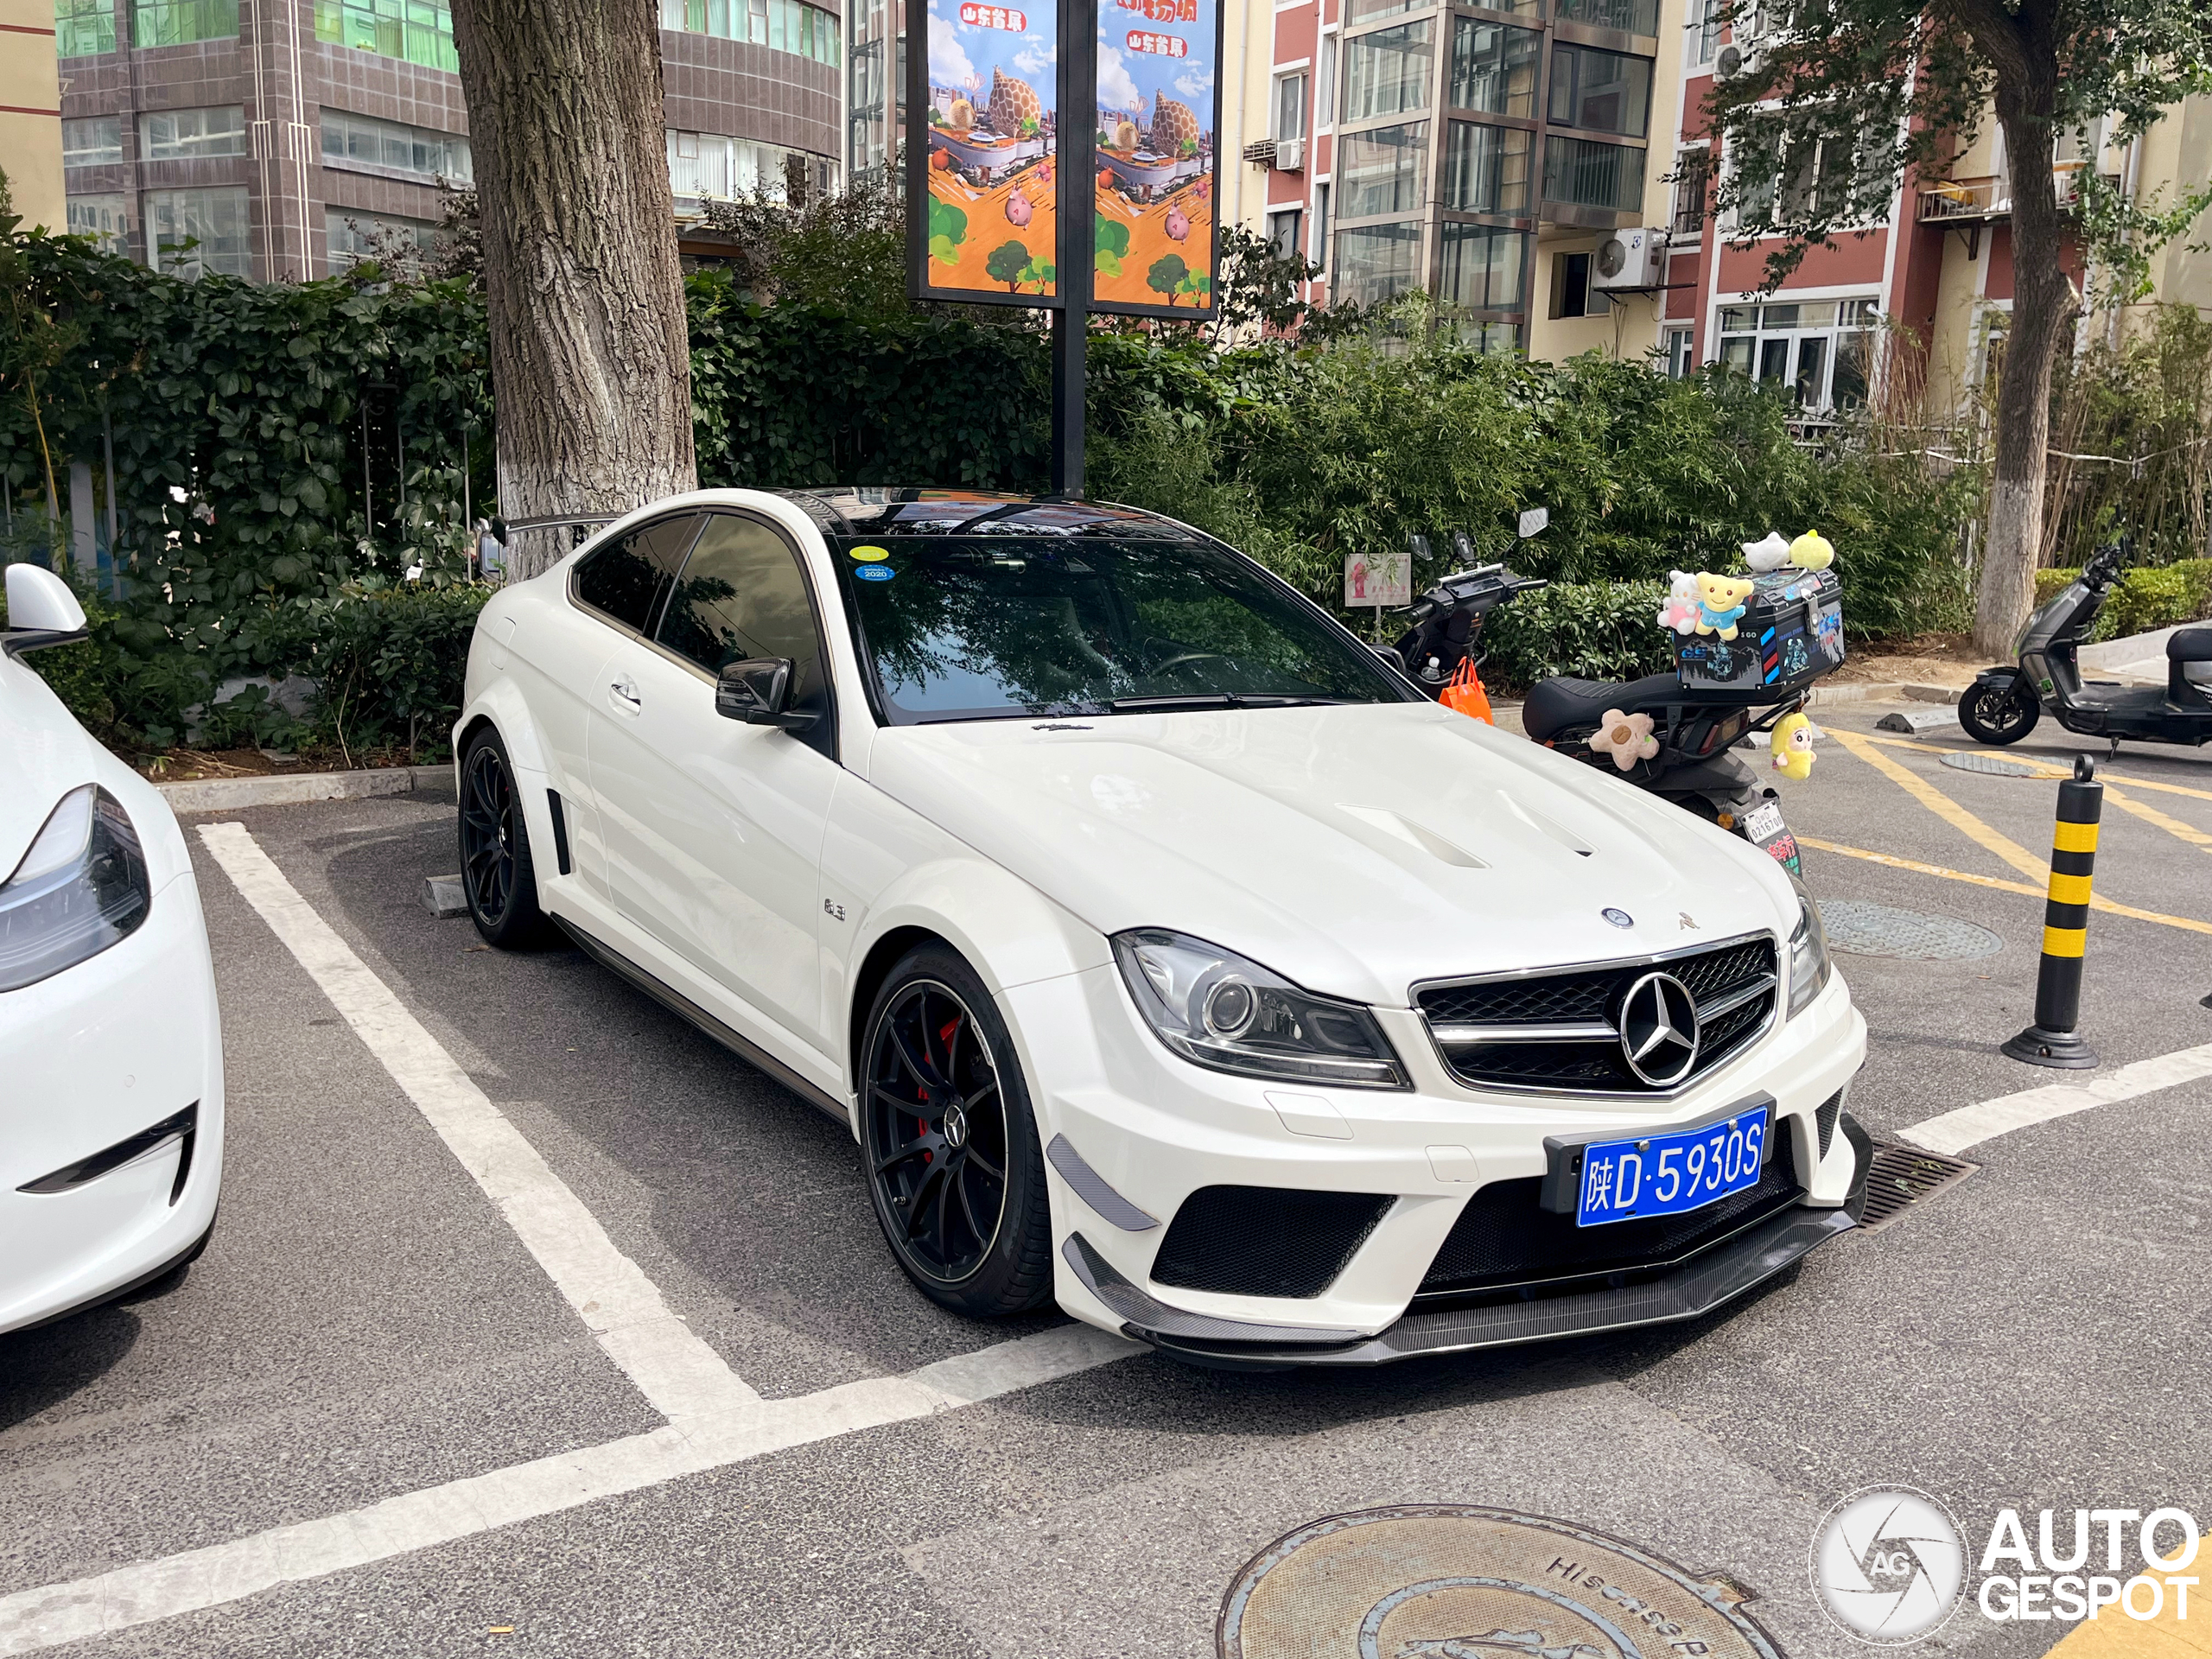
{"x": 1168, "y": 953}
{"x": 111, "y": 1109}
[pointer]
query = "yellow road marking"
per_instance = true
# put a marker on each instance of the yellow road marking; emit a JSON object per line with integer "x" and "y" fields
{"x": 2112, "y": 1635}
{"x": 2187, "y": 832}
{"x": 2049, "y": 771}
{"x": 1945, "y": 808}
{"x": 2097, "y": 902}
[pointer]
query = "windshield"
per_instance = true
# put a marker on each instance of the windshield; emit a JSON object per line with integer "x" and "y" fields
{"x": 981, "y": 627}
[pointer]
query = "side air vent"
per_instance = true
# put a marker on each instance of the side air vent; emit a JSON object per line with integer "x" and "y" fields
{"x": 1265, "y": 1241}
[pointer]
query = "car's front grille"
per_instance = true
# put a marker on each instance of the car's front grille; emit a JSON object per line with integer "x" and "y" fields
{"x": 1265, "y": 1241}
{"x": 1505, "y": 1238}
{"x": 1562, "y": 1030}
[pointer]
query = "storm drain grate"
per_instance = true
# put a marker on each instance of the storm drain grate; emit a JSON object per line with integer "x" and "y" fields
{"x": 1864, "y": 928}
{"x": 1998, "y": 766}
{"x": 1901, "y": 1177}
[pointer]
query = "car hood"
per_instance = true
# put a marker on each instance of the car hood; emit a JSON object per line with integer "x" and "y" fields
{"x": 1354, "y": 849}
{"x": 44, "y": 753}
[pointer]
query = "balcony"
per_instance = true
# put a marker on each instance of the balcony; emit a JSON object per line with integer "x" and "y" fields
{"x": 1968, "y": 202}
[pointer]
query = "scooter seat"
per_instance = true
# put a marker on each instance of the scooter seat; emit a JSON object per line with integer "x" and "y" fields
{"x": 2190, "y": 645}
{"x": 1555, "y": 705}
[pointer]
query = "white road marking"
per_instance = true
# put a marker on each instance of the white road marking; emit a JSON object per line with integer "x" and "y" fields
{"x": 683, "y": 1379}
{"x": 1954, "y": 1132}
{"x": 148, "y": 1592}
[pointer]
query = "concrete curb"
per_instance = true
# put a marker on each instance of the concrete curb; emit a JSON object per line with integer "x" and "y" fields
{"x": 1882, "y": 691}
{"x": 291, "y": 789}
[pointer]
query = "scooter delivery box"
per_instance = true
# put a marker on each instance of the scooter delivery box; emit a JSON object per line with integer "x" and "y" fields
{"x": 1789, "y": 634}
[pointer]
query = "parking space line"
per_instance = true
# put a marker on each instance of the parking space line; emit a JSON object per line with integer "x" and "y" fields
{"x": 2174, "y": 827}
{"x": 1954, "y": 1132}
{"x": 2097, "y": 901}
{"x": 681, "y": 1376}
{"x": 148, "y": 1592}
{"x": 2051, "y": 769}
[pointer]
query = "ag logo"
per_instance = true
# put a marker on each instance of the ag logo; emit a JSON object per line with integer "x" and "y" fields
{"x": 1888, "y": 1564}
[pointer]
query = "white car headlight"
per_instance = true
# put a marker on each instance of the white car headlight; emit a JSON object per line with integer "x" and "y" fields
{"x": 80, "y": 888}
{"x": 1808, "y": 958}
{"x": 1215, "y": 1008}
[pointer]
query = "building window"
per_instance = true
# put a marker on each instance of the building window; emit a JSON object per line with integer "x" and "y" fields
{"x": 1483, "y": 267}
{"x": 1290, "y": 108}
{"x": 1486, "y": 169}
{"x": 1387, "y": 72}
{"x": 1375, "y": 261}
{"x": 711, "y": 167}
{"x": 1324, "y": 85}
{"x": 180, "y": 22}
{"x": 188, "y": 134}
{"x": 353, "y": 236}
{"x": 1600, "y": 91}
{"x": 1704, "y": 27}
{"x": 1629, "y": 17}
{"x": 1692, "y": 182}
{"x": 782, "y": 25}
{"x": 190, "y": 231}
{"x": 414, "y": 31}
{"x": 1681, "y": 354}
{"x": 1382, "y": 170}
{"x": 1582, "y": 173}
{"x": 1816, "y": 353}
{"x": 83, "y": 28}
{"x": 104, "y": 217}
{"x": 1493, "y": 67}
{"x": 1572, "y": 295}
{"x": 1366, "y": 11}
{"x": 1319, "y": 254}
{"x": 95, "y": 141}
{"x": 367, "y": 142}
{"x": 1282, "y": 233}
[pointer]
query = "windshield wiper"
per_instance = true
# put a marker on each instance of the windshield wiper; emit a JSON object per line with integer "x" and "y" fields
{"x": 1168, "y": 702}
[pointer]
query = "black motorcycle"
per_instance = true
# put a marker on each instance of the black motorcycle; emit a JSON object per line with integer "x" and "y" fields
{"x": 2004, "y": 702}
{"x": 1722, "y": 693}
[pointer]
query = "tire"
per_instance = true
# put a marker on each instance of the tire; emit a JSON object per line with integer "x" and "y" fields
{"x": 953, "y": 1163}
{"x": 1999, "y": 711}
{"x": 496, "y": 871}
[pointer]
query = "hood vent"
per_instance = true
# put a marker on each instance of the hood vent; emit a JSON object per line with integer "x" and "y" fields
{"x": 1416, "y": 834}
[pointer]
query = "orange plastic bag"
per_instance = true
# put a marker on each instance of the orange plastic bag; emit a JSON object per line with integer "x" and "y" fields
{"x": 1464, "y": 691}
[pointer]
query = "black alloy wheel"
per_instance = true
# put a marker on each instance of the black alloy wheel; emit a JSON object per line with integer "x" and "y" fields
{"x": 496, "y": 873}
{"x": 1999, "y": 711}
{"x": 955, "y": 1169}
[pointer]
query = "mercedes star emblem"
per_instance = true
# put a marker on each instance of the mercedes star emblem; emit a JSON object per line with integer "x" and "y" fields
{"x": 1618, "y": 917}
{"x": 1659, "y": 1031}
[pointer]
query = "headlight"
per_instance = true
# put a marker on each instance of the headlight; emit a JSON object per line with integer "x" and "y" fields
{"x": 1808, "y": 958}
{"x": 1215, "y": 1008}
{"x": 81, "y": 888}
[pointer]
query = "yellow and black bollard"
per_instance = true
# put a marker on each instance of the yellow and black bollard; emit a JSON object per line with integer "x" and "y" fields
{"x": 2053, "y": 1040}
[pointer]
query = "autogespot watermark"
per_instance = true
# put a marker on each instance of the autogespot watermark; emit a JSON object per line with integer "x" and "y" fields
{"x": 1891, "y": 1565}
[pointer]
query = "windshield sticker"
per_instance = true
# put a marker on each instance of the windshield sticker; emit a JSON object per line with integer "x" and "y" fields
{"x": 875, "y": 573}
{"x": 871, "y": 555}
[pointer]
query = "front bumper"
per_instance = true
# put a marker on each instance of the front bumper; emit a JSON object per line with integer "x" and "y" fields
{"x": 1151, "y": 1130}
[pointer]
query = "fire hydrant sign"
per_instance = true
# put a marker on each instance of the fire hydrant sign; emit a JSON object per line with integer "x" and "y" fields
{"x": 1378, "y": 579}
{"x": 992, "y": 191}
{"x": 1159, "y": 117}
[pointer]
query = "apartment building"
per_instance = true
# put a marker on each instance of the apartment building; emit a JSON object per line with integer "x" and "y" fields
{"x": 277, "y": 136}
{"x": 30, "y": 112}
{"x": 1504, "y": 158}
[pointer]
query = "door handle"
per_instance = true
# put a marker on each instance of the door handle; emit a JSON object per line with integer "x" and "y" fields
{"x": 622, "y": 697}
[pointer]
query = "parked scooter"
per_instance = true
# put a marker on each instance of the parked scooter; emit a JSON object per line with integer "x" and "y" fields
{"x": 1694, "y": 716}
{"x": 2004, "y": 702}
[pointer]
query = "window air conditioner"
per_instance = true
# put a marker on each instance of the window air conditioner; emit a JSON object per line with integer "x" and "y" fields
{"x": 1735, "y": 60}
{"x": 1290, "y": 155}
{"x": 1634, "y": 258}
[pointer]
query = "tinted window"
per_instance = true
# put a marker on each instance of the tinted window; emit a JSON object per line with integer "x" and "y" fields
{"x": 967, "y": 628}
{"x": 742, "y": 595}
{"x": 628, "y": 578}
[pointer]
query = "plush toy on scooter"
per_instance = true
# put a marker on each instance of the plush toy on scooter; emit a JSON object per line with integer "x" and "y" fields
{"x": 1680, "y": 612}
{"x": 1720, "y": 602}
{"x": 1792, "y": 746}
{"x": 1770, "y": 554}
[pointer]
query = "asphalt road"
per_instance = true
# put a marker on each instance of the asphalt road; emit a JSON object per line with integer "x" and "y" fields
{"x": 368, "y": 1325}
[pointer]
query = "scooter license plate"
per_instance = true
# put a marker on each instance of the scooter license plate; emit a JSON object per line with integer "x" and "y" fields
{"x": 1764, "y": 829}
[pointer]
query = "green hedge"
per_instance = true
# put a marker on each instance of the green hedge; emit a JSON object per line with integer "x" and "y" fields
{"x": 1592, "y": 631}
{"x": 2148, "y": 597}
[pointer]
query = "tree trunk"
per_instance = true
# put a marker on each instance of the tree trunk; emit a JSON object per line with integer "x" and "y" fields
{"x": 2044, "y": 305}
{"x": 591, "y": 371}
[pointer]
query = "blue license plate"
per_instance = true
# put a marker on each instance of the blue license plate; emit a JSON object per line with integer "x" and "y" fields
{"x": 1667, "y": 1174}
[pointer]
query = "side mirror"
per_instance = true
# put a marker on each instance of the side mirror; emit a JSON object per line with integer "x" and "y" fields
{"x": 41, "y": 611}
{"x": 757, "y": 691}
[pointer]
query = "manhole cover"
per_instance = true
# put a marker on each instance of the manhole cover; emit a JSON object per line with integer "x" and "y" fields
{"x": 1441, "y": 1581}
{"x": 1870, "y": 930}
{"x": 2001, "y": 766}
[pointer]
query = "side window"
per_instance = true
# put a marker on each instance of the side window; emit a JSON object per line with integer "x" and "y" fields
{"x": 742, "y": 595}
{"x": 628, "y": 578}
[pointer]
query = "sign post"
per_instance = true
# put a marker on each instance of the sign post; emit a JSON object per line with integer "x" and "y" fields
{"x": 1101, "y": 200}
